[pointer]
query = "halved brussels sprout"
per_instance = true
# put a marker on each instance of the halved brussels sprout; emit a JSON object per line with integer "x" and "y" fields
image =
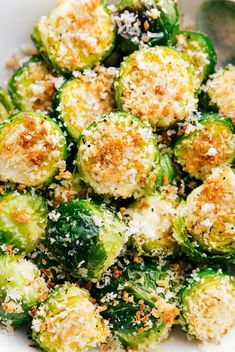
{"x": 200, "y": 51}
{"x": 21, "y": 289}
{"x": 32, "y": 149}
{"x": 85, "y": 237}
{"x": 219, "y": 92}
{"x": 118, "y": 156}
{"x": 151, "y": 22}
{"x": 208, "y": 305}
{"x": 205, "y": 224}
{"x": 68, "y": 321}
{"x": 6, "y": 106}
{"x": 83, "y": 99}
{"x": 76, "y": 35}
{"x": 33, "y": 85}
{"x": 157, "y": 85}
{"x": 23, "y": 220}
{"x": 150, "y": 222}
{"x": 209, "y": 144}
{"x": 140, "y": 303}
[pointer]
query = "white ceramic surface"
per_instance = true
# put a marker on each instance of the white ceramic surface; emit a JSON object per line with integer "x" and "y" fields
{"x": 17, "y": 18}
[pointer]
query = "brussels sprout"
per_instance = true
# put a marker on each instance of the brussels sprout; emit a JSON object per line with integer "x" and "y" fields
{"x": 151, "y": 22}
{"x": 208, "y": 305}
{"x": 33, "y": 85}
{"x": 150, "y": 222}
{"x": 21, "y": 289}
{"x": 85, "y": 237}
{"x": 157, "y": 85}
{"x": 118, "y": 156}
{"x": 140, "y": 304}
{"x": 23, "y": 220}
{"x": 6, "y": 106}
{"x": 209, "y": 144}
{"x": 201, "y": 53}
{"x": 219, "y": 92}
{"x": 76, "y": 35}
{"x": 83, "y": 99}
{"x": 68, "y": 321}
{"x": 32, "y": 148}
{"x": 205, "y": 224}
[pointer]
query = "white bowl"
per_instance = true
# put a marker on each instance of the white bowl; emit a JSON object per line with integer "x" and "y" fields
{"x": 17, "y": 18}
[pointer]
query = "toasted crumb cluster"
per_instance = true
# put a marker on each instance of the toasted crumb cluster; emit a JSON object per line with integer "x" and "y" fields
{"x": 220, "y": 90}
{"x": 117, "y": 155}
{"x": 209, "y": 308}
{"x": 31, "y": 149}
{"x": 86, "y": 98}
{"x": 68, "y": 321}
{"x": 34, "y": 86}
{"x": 77, "y": 33}
{"x": 209, "y": 212}
{"x": 157, "y": 85}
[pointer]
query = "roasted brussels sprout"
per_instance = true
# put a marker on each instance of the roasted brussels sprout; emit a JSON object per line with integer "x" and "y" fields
{"x": 85, "y": 237}
{"x": 23, "y": 220}
{"x": 32, "y": 149}
{"x": 208, "y": 305}
{"x": 201, "y": 53}
{"x": 83, "y": 99}
{"x": 118, "y": 156}
{"x": 21, "y": 289}
{"x": 76, "y": 35}
{"x": 68, "y": 321}
{"x": 33, "y": 85}
{"x": 219, "y": 92}
{"x": 140, "y": 303}
{"x": 151, "y": 22}
{"x": 205, "y": 224}
{"x": 207, "y": 144}
{"x": 6, "y": 106}
{"x": 157, "y": 85}
{"x": 150, "y": 222}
